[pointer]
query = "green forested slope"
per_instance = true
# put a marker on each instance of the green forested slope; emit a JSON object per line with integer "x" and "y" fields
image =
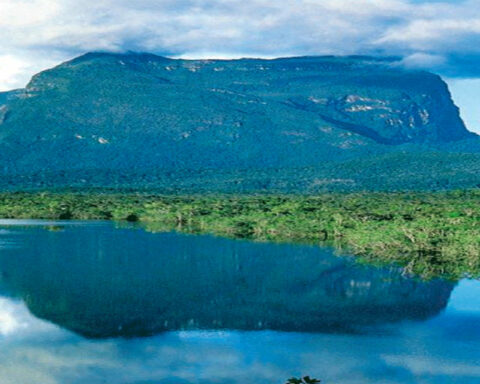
{"x": 299, "y": 124}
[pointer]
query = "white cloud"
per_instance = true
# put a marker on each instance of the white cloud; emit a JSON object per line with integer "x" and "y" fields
{"x": 423, "y": 60}
{"x": 9, "y": 323}
{"x": 17, "y": 322}
{"x": 38, "y": 33}
{"x": 12, "y": 69}
{"x": 15, "y": 71}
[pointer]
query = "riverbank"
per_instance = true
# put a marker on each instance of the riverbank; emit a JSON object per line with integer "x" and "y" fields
{"x": 429, "y": 234}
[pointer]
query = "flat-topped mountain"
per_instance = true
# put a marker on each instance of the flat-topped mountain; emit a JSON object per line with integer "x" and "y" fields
{"x": 294, "y": 124}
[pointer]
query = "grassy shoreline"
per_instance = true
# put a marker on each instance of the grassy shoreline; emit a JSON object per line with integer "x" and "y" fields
{"x": 429, "y": 234}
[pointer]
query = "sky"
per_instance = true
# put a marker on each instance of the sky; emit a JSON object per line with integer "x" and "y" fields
{"x": 441, "y": 36}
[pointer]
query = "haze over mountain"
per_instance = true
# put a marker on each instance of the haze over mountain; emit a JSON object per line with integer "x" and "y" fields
{"x": 292, "y": 125}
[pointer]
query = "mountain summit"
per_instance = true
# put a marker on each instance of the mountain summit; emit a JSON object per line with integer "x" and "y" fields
{"x": 293, "y": 124}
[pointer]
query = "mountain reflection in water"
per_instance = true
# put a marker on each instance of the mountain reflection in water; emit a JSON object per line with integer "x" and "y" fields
{"x": 100, "y": 282}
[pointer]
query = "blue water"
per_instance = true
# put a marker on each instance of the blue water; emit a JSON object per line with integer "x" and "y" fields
{"x": 100, "y": 303}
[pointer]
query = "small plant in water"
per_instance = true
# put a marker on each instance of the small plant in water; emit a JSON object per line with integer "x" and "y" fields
{"x": 303, "y": 380}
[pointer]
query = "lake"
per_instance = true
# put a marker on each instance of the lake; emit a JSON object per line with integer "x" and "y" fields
{"x": 102, "y": 302}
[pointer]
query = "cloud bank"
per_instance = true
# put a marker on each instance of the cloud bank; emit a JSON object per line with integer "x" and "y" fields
{"x": 437, "y": 35}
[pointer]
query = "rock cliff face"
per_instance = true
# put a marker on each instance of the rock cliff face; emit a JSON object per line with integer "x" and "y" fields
{"x": 134, "y": 113}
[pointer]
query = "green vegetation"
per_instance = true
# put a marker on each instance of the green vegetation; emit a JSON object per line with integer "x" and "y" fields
{"x": 297, "y": 125}
{"x": 429, "y": 234}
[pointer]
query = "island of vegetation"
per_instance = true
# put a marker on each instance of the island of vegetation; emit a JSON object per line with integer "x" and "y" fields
{"x": 429, "y": 234}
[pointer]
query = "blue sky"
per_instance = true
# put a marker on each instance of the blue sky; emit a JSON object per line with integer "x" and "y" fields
{"x": 466, "y": 94}
{"x": 441, "y": 36}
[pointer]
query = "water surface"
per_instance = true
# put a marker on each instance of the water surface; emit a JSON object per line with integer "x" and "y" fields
{"x": 101, "y": 303}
